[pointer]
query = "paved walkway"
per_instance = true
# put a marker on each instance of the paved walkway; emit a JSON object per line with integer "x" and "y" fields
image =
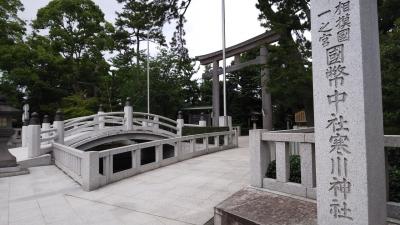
{"x": 179, "y": 194}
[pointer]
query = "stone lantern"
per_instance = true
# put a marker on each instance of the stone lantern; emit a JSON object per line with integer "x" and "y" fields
{"x": 8, "y": 163}
{"x": 254, "y": 118}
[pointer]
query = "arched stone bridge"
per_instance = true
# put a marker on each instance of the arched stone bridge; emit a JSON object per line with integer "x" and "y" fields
{"x": 140, "y": 142}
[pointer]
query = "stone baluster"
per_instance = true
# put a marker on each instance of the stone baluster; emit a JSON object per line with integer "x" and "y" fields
{"x": 216, "y": 141}
{"x": 180, "y": 122}
{"x": 100, "y": 117}
{"x": 307, "y": 156}
{"x": 205, "y": 144}
{"x": 226, "y": 139}
{"x": 128, "y": 115}
{"x": 34, "y": 136}
{"x": 159, "y": 153}
{"x": 282, "y": 161}
{"x": 59, "y": 125}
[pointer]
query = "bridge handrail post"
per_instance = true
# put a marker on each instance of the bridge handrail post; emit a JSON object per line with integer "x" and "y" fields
{"x": 59, "y": 125}
{"x": 179, "y": 123}
{"x": 156, "y": 124}
{"x": 90, "y": 171}
{"x": 46, "y": 126}
{"x": 100, "y": 117}
{"x": 33, "y": 137}
{"x": 24, "y": 133}
{"x": 128, "y": 115}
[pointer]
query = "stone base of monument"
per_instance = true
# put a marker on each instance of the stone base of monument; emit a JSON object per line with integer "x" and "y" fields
{"x": 43, "y": 160}
{"x": 251, "y": 206}
{"x": 13, "y": 171}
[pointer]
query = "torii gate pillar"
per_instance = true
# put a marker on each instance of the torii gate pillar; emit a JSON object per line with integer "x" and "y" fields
{"x": 215, "y": 94}
{"x": 265, "y": 94}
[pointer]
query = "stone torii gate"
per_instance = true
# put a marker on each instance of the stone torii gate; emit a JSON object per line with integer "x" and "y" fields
{"x": 235, "y": 51}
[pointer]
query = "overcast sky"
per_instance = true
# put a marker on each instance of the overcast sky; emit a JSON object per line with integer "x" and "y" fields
{"x": 203, "y": 27}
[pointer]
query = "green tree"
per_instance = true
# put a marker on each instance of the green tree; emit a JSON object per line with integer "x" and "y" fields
{"x": 12, "y": 48}
{"x": 142, "y": 19}
{"x": 388, "y": 13}
{"x": 290, "y": 65}
{"x": 78, "y": 32}
{"x": 171, "y": 69}
{"x": 171, "y": 86}
{"x": 138, "y": 20}
{"x": 289, "y": 60}
{"x": 244, "y": 92}
{"x": 390, "y": 55}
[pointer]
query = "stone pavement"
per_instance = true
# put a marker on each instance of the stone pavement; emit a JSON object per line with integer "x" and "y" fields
{"x": 179, "y": 194}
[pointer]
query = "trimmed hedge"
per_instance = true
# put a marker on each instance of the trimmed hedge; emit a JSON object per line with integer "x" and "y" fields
{"x": 202, "y": 130}
{"x": 394, "y": 172}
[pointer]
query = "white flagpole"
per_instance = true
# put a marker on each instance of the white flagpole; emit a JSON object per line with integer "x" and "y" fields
{"x": 224, "y": 60}
{"x": 148, "y": 73}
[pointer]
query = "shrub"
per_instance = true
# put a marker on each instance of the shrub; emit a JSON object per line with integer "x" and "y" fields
{"x": 394, "y": 172}
{"x": 295, "y": 171}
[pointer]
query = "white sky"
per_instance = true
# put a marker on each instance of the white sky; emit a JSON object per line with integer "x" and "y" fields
{"x": 203, "y": 27}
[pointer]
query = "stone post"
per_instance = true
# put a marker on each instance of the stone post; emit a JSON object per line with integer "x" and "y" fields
{"x": 260, "y": 157}
{"x": 59, "y": 125}
{"x": 90, "y": 171}
{"x": 282, "y": 162}
{"x": 100, "y": 117}
{"x": 46, "y": 126}
{"x": 128, "y": 114}
{"x": 159, "y": 154}
{"x": 34, "y": 136}
{"x": 24, "y": 133}
{"x": 265, "y": 94}
{"x": 215, "y": 94}
{"x": 179, "y": 123}
{"x": 156, "y": 124}
{"x": 350, "y": 160}
{"x": 202, "y": 121}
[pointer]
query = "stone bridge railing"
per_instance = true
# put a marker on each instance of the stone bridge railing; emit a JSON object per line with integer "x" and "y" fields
{"x": 95, "y": 169}
{"x": 37, "y": 137}
{"x": 123, "y": 121}
{"x": 278, "y": 145}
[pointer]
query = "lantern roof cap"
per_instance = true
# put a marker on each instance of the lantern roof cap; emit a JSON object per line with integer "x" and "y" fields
{"x": 7, "y": 109}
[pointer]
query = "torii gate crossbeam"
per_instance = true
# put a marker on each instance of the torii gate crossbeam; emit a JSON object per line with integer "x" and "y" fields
{"x": 214, "y": 58}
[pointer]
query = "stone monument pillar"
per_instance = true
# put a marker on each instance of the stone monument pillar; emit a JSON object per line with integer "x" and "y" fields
{"x": 215, "y": 94}
{"x": 265, "y": 94}
{"x": 348, "y": 113}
